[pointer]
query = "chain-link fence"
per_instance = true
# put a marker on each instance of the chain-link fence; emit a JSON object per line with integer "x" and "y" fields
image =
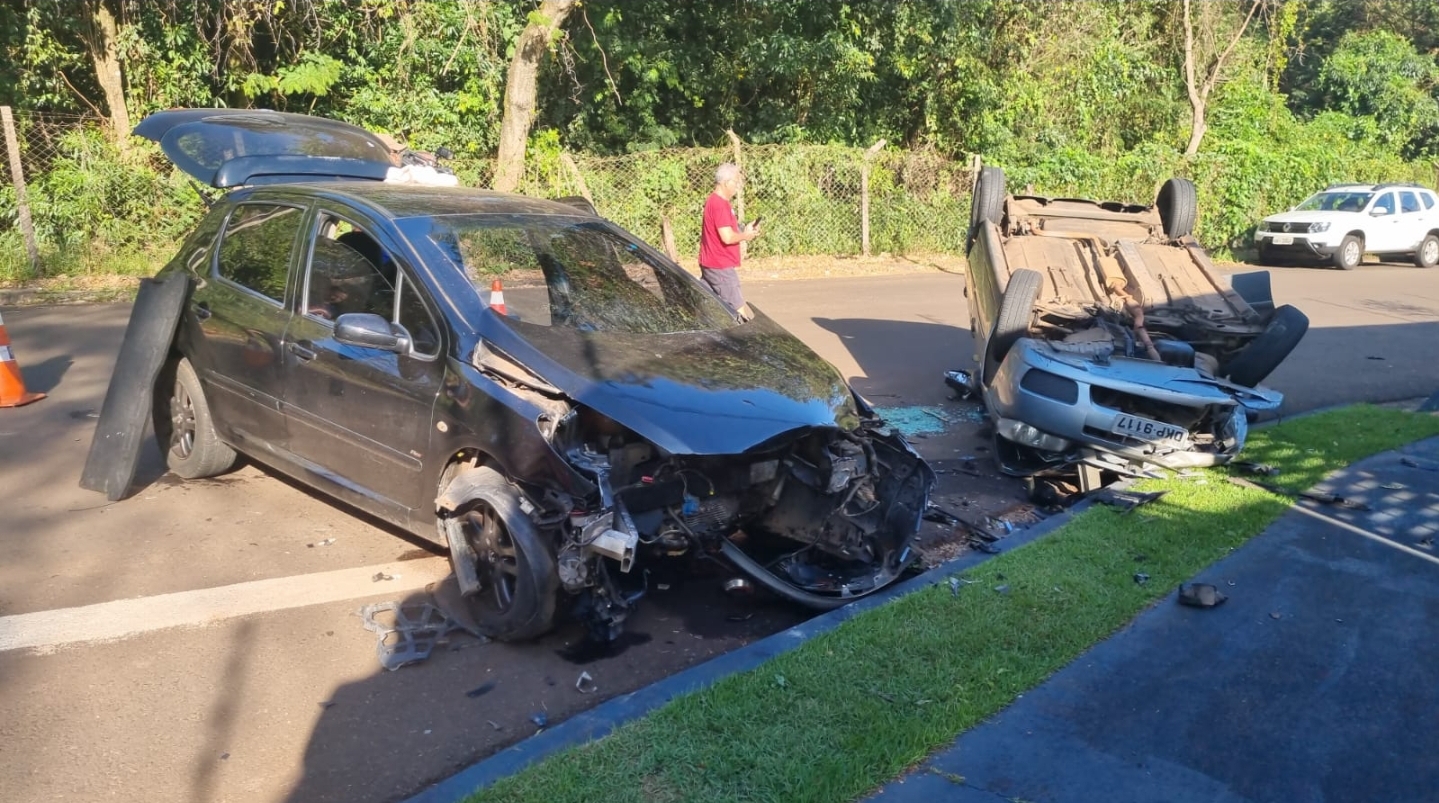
{"x": 812, "y": 197}
{"x": 91, "y": 208}
{"x": 96, "y": 209}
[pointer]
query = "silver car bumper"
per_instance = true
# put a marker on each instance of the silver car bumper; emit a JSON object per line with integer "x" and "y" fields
{"x": 1141, "y": 410}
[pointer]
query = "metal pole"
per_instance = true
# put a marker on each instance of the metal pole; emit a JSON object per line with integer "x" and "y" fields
{"x": 17, "y": 175}
{"x": 864, "y": 196}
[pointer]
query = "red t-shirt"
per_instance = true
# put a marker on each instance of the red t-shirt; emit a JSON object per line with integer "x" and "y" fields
{"x": 713, "y": 251}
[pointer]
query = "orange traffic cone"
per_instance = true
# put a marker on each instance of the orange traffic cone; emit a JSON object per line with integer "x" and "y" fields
{"x": 12, "y": 385}
{"x": 497, "y": 297}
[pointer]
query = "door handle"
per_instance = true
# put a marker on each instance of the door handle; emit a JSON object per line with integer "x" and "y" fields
{"x": 300, "y": 351}
{"x": 202, "y": 311}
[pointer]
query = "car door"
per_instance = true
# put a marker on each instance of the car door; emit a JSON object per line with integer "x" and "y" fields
{"x": 241, "y": 314}
{"x": 361, "y": 417}
{"x": 1383, "y": 233}
{"x": 1411, "y": 228}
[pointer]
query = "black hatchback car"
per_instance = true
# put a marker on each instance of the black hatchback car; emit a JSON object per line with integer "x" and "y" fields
{"x": 517, "y": 379}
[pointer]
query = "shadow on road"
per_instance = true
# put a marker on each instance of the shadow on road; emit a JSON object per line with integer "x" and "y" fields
{"x": 44, "y": 376}
{"x": 393, "y": 733}
{"x": 901, "y": 357}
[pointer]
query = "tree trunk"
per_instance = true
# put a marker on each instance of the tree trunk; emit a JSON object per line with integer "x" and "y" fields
{"x": 1199, "y": 91}
{"x": 104, "y": 47}
{"x": 520, "y": 90}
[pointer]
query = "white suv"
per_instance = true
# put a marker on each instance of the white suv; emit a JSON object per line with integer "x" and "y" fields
{"x": 1346, "y": 221}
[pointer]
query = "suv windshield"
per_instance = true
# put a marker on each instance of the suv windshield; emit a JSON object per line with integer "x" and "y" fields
{"x": 578, "y": 275}
{"x": 1336, "y": 201}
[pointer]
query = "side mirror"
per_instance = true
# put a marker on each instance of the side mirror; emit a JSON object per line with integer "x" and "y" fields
{"x": 1380, "y": 212}
{"x": 370, "y": 331}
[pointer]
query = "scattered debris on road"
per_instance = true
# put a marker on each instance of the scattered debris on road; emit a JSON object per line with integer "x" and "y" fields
{"x": 407, "y": 633}
{"x": 961, "y": 383}
{"x": 380, "y": 577}
{"x": 585, "y": 684}
{"x": 1420, "y": 463}
{"x": 1200, "y": 595}
{"x": 482, "y": 689}
{"x": 325, "y": 542}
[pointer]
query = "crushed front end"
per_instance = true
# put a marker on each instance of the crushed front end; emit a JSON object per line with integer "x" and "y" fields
{"x": 1059, "y": 402}
{"x": 820, "y": 516}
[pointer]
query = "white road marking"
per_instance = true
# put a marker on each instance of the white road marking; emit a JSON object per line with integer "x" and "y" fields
{"x": 124, "y": 618}
{"x": 1361, "y": 531}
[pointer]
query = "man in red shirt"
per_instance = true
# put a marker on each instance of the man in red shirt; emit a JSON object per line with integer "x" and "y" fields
{"x": 720, "y": 238}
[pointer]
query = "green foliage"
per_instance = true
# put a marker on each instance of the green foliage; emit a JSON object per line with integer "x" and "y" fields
{"x": 1072, "y": 97}
{"x": 1378, "y": 74}
{"x": 92, "y": 208}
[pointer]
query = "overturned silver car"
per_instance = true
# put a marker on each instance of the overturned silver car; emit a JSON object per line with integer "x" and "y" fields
{"x": 1104, "y": 337}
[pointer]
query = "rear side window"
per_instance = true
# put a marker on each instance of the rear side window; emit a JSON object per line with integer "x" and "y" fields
{"x": 1428, "y": 200}
{"x": 1408, "y": 203}
{"x": 255, "y": 251}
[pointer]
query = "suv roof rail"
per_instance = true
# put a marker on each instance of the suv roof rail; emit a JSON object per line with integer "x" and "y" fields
{"x": 1398, "y": 184}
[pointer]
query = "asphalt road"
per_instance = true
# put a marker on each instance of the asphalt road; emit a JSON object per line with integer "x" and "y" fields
{"x": 252, "y": 703}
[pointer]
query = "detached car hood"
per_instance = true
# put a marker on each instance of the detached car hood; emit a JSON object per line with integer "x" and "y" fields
{"x": 233, "y": 147}
{"x": 702, "y": 393}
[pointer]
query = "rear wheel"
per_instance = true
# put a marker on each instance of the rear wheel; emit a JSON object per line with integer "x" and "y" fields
{"x": 1178, "y": 207}
{"x": 1265, "y": 352}
{"x": 1428, "y": 254}
{"x": 987, "y": 205}
{"x": 1349, "y": 253}
{"x": 184, "y": 427}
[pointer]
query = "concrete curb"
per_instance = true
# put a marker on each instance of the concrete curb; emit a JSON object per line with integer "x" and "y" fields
{"x": 24, "y": 297}
{"x": 606, "y": 717}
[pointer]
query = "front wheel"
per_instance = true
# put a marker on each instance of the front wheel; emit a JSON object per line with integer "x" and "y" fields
{"x": 518, "y": 596}
{"x": 184, "y": 427}
{"x": 1428, "y": 254}
{"x": 1349, "y": 253}
{"x": 1263, "y": 354}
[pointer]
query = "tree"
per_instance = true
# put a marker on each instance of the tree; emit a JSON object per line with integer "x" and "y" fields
{"x": 520, "y": 90}
{"x": 1200, "y": 42}
{"x": 102, "y": 40}
{"x": 1379, "y": 75}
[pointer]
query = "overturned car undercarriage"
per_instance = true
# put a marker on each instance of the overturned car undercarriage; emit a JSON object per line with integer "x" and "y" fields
{"x": 819, "y": 515}
{"x": 1106, "y": 341}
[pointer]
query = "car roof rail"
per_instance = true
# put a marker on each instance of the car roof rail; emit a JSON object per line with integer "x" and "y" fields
{"x": 1399, "y": 184}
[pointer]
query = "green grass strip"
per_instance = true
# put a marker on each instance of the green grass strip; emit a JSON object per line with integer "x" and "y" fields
{"x": 849, "y": 710}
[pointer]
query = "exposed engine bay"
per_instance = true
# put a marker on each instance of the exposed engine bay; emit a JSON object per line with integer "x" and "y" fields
{"x": 819, "y": 515}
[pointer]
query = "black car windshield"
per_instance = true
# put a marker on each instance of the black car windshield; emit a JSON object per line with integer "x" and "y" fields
{"x": 1336, "y": 201}
{"x": 584, "y": 275}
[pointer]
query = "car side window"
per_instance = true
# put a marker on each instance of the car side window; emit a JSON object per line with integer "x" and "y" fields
{"x": 1428, "y": 200}
{"x": 256, "y": 248}
{"x": 1385, "y": 202}
{"x": 1407, "y": 202}
{"x": 349, "y": 272}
